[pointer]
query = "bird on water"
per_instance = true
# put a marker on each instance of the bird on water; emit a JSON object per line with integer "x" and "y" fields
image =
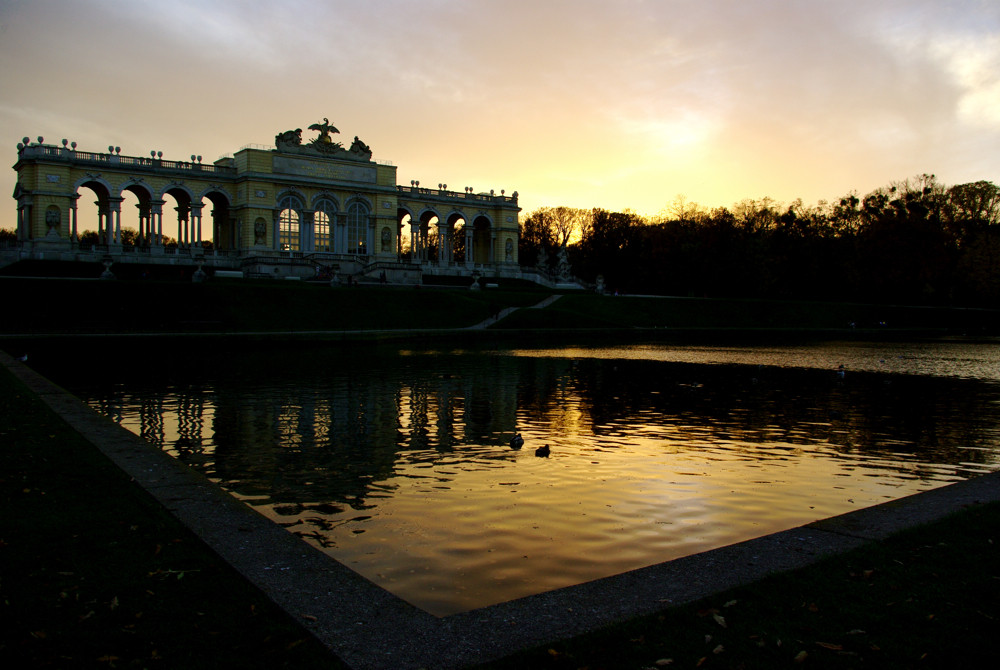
{"x": 517, "y": 441}
{"x": 543, "y": 452}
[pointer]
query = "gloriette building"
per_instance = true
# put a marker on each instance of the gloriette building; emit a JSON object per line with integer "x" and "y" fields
{"x": 300, "y": 208}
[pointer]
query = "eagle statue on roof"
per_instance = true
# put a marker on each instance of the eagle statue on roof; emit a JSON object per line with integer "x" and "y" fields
{"x": 324, "y": 129}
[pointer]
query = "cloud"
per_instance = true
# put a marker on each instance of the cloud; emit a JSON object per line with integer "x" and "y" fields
{"x": 577, "y": 102}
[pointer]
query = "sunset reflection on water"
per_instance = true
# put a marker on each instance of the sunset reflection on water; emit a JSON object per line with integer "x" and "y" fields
{"x": 400, "y": 465}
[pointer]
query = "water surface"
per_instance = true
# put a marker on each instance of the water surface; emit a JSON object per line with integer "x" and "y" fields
{"x": 398, "y": 463}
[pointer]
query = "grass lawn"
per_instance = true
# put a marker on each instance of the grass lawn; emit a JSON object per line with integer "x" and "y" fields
{"x": 93, "y": 306}
{"x": 54, "y": 306}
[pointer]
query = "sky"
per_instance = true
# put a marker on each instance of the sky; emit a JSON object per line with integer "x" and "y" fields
{"x": 618, "y": 104}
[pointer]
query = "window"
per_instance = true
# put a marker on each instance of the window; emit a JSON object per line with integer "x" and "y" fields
{"x": 357, "y": 228}
{"x": 325, "y": 213}
{"x": 288, "y": 224}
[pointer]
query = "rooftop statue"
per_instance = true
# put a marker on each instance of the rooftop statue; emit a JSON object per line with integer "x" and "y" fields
{"x": 324, "y": 129}
{"x": 361, "y": 149}
{"x": 290, "y": 141}
{"x": 288, "y": 138}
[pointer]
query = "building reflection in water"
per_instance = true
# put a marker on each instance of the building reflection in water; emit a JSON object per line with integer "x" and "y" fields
{"x": 399, "y": 464}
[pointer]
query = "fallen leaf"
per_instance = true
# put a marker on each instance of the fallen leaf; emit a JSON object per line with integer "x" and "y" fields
{"x": 718, "y": 650}
{"x": 830, "y": 646}
{"x": 801, "y": 656}
{"x": 719, "y": 619}
{"x": 114, "y": 603}
{"x": 664, "y": 661}
{"x": 731, "y": 603}
{"x": 309, "y": 617}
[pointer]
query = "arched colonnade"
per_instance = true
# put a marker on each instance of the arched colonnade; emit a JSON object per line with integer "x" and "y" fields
{"x": 455, "y": 238}
{"x": 190, "y": 207}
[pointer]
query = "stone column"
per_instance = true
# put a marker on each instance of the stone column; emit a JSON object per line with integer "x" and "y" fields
{"x": 469, "y": 251}
{"x": 196, "y": 223}
{"x": 157, "y": 223}
{"x": 115, "y": 220}
{"x": 72, "y": 218}
{"x": 340, "y": 240}
{"x": 307, "y": 232}
{"x": 145, "y": 225}
{"x": 22, "y": 223}
{"x": 102, "y": 222}
{"x": 443, "y": 240}
{"x": 182, "y": 225}
{"x": 370, "y": 237}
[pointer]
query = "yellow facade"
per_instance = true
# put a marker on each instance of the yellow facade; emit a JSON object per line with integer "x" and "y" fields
{"x": 301, "y": 205}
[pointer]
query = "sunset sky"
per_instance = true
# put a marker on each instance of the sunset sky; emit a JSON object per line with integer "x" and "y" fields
{"x": 623, "y": 104}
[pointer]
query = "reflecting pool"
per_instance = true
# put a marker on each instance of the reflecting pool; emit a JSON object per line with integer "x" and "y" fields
{"x": 398, "y": 462}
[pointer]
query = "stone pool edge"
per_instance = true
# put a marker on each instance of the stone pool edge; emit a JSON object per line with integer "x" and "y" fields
{"x": 368, "y": 627}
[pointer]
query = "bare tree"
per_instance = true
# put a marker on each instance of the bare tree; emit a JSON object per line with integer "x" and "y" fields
{"x": 565, "y": 223}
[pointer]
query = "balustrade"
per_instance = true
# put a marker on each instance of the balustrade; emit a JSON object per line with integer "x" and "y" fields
{"x": 132, "y": 162}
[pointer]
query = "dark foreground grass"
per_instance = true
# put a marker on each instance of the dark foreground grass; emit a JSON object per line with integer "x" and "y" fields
{"x": 95, "y": 574}
{"x": 61, "y": 306}
{"x": 672, "y": 313}
{"x": 54, "y": 306}
{"x": 926, "y": 598}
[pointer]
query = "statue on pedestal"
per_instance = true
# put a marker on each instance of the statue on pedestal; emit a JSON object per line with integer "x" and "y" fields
{"x": 562, "y": 264}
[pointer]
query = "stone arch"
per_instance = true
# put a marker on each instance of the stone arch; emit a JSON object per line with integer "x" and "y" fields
{"x": 428, "y": 244}
{"x": 136, "y": 227}
{"x": 482, "y": 240}
{"x": 457, "y": 243}
{"x": 223, "y": 226}
{"x": 326, "y": 196}
{"x": 183, "y": 199}
{"x": 404, "y": 217}
{"x": 99, "y": 217}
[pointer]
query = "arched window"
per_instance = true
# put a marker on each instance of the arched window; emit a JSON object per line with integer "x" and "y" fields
{"x": 322, "y": 222}
{"x": 357, "y": 228}
{"x": 288, "y": 224}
